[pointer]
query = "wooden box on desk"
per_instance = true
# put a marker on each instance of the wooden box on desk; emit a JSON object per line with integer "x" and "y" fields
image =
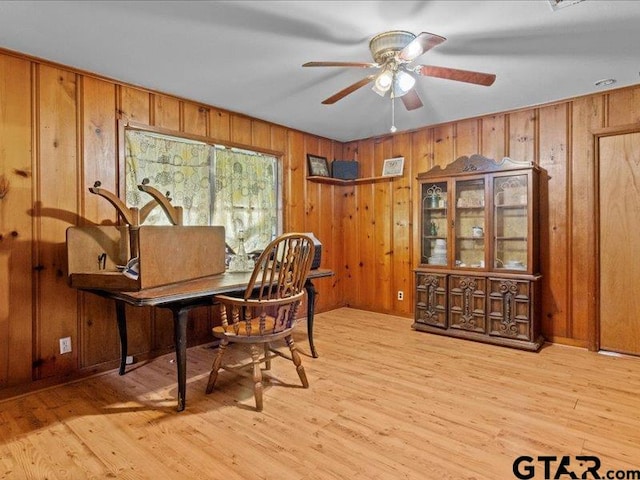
{"x": 167, "y": 254}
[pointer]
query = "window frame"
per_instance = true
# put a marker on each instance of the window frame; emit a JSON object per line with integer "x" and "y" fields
{"x": 215, "y": 143}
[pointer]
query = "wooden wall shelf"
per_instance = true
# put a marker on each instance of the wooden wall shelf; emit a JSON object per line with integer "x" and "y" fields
{"x": 357, "y": 181}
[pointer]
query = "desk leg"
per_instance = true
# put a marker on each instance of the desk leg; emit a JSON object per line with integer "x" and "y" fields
{"x": 180, "y": 317}
{"x": 311, "y": 306}
{"x": 122, "y": 330}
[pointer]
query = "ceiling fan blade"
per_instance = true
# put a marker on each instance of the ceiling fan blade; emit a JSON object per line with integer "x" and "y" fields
{"x": 468, "y": 76}
{"x": 341, "y": 64}
{"x": 350, "y": 89}
{"x": 419, "y": 45}
{"x": 411, "y": 100}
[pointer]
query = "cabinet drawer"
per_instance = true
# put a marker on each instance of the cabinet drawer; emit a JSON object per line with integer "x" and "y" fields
{"x": 467, "y": 300}
{"x": 510, "y": 308}
{"x": 431, "y": 299}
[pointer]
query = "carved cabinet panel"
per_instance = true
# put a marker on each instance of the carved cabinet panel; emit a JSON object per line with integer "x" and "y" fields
{"x": 431, "y": 300}
{"x": 467, "y": 297}
{"x": 510, "y": 308}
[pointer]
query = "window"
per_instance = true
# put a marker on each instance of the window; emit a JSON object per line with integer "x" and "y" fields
{"x": 214, "y": 184}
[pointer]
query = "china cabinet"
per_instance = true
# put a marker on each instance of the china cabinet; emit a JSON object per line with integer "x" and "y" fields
{"x": 479, "y": 276}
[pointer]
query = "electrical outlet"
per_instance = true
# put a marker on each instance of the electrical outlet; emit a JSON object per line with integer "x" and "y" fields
{"x": 400, "y": 295}
{"x": 65, "y": 345}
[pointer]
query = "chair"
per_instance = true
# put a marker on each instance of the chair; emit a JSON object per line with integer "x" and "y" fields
{"x": 268, "y": 310}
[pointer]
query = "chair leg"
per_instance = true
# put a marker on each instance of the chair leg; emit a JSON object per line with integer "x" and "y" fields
{"x": 213, "y": 376}
{"x": 267, "y": 351}
{"x": 297, "y": 361}
{"x": 257, "y": 376}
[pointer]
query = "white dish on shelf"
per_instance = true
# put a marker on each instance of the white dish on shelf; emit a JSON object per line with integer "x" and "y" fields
{"x": 514, "y": 264}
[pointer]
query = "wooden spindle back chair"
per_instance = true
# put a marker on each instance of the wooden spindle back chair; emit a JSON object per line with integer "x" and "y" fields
{"x": 268, "y": 310}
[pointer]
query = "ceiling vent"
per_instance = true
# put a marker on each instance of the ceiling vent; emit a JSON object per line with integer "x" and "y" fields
{"x": 558, "y": 4}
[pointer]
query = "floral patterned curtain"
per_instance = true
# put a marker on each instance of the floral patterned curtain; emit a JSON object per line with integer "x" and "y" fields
{"x": 179, "y": 166}
{"x": 214, "y": 185}
{"x": 245, "y": 197}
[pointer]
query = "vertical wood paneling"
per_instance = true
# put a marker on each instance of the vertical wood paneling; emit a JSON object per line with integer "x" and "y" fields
{"x": 295, "y": 185}
{"x": 492, "y": 138}
{"x": 587, "y": 115}
{"x": 336, "y": 284}
{"x": 166, "y": 112}
{"x": 553, "y": 146}
{"x": 241, "y": 129}
{"x": 466, "y": 138}
{"x": 58, "y": 209}
{"x": 98, "y": 330}
{"x": 196, "y": 119}
{"x": 16, "y": 231}
{"x": 260, "y": 134}
{"x": 443, "y": 145}
{"x": 366, "y": 276}
{"x": 521, "y": 135}
{"x": 313, "y": 203}
{"x": 134, "y": 105}
{"x": 351, "y": 233}
{"x": 350, "y": 247}
{"x": 402, "y": 265}
{"x": 383, "y": 230}
{"x": 5, "y": 308}
{"x": 219, "y": 124}
{"x": 278, "y": 139}
{"x": 621, "y": 104}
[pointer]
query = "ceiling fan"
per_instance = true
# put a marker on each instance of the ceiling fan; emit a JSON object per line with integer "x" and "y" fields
{"x": 393, "y": 53}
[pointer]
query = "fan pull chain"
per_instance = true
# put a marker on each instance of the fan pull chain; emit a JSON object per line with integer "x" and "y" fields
{"x": 393, "y": 115}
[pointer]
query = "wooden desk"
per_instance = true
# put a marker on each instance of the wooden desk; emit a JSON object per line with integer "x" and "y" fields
{"x": 182, "y": 297}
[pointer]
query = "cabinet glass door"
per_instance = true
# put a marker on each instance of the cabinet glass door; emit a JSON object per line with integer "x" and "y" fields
{"x": 434, "y": 223}
{"x": 510, "y": 200}
{"x": 470, "y": 223}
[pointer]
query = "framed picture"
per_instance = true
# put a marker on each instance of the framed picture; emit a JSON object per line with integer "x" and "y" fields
{"x": 318, "y": 166}
{"x": 393, "y": 167}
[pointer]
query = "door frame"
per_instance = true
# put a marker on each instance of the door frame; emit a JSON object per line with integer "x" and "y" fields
{"x": 593, "y": 342}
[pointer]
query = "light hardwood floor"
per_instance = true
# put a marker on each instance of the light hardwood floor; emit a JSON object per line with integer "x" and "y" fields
{"x": 384, "y": 402}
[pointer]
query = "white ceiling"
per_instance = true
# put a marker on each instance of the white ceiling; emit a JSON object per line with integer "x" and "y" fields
{"x": 246, "y": 56}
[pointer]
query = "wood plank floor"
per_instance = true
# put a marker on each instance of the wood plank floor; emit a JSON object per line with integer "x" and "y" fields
{"x": 384, "y": 402}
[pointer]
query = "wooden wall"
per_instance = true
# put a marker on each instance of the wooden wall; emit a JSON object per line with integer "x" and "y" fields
{"x": 380, "y": 221}
{"x": 58, "y": 134}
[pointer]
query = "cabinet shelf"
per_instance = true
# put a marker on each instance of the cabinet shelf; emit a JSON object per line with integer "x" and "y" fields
{"x": 356, "y": 181}
{"x": 512, "y": 239}
{"x": 511, "y": 205}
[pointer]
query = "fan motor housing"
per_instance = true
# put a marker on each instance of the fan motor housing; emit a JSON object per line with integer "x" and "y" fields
{"x": 387, "y": 44}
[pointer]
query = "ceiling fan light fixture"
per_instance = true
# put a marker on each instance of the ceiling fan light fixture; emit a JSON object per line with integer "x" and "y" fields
{"x": 403, "y": 82}
{"x": 383, "y": 82}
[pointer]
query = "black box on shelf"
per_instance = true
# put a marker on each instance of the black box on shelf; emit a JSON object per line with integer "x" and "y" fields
{"x": 344, "y": 169}
{"x": 315, "y": 263}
